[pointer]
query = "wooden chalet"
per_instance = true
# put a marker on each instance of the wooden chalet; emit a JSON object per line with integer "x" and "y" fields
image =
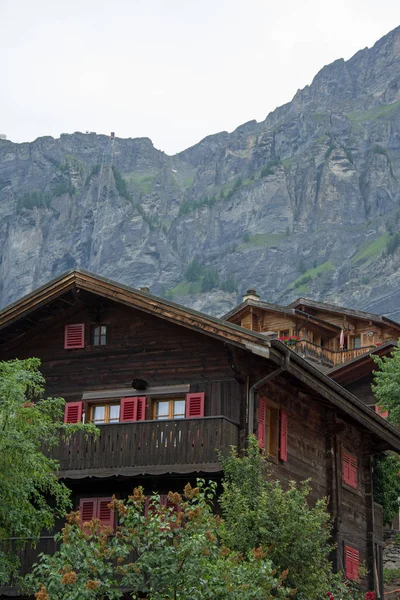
{"x": 325, "y": 334}
{"x": 169, "y": 387}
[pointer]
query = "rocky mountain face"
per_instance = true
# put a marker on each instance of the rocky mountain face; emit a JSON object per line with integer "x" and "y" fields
{"x": 306, "y": 203}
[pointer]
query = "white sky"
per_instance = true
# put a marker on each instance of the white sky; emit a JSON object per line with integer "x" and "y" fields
{"x": 172, "y": 70}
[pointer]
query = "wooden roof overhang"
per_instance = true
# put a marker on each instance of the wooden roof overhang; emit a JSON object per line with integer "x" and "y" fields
{"x": 45, "y": 303}
{"x": 304, "y": 303}
{"x": 386, "y": 436}
{"x": 360, "y": 366}
{"x": 295, "y": 314}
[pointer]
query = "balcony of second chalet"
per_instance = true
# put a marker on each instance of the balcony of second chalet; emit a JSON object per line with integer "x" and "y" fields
{"x": 324, "y": 356}
{"x": 148, "y": 447}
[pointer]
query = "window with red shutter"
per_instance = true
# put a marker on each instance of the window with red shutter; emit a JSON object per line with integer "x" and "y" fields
{"x": 74, "y": 336}
{"x": 133, "y": 409}
{"x": 349, "y": 470}
{"x": 283, "y": 437}
{"x": 270, "y": 439}
{"x": 383, "y": 413}
{"x": 96, "y": 508}
{"x": 73, "y": 412}
{"x": 262, "y": 413}
{"x": 352, "y": 563}
{"x": 195, "y": 405}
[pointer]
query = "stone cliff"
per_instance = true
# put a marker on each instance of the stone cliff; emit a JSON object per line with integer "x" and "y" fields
{"x": 305, "y": 203}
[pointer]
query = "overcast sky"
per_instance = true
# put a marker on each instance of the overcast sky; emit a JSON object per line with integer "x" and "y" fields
{"x": 172, "y": 70}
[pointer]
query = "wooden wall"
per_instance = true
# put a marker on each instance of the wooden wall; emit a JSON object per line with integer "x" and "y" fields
{"x": 138, "y": 346}
{"x": 316, "y": 438}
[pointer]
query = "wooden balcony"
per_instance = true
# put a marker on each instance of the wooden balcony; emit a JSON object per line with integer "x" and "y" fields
{"x": 148, "y": 447}
{"x": 326, "y": 357}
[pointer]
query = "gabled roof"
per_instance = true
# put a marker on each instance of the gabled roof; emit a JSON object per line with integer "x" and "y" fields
{"x": 284, "y": 310}
{"x": 20, "y": 317}
{"x": 24, "y": 311}
{"x": 333, "y": 308}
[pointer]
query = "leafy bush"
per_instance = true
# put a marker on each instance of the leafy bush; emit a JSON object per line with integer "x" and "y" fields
{"x": 178, "y": 554}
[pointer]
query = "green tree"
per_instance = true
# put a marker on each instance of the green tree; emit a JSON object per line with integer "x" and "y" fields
{"x": 386, "y": 386}
{"x": 386, "y": 482}
{"x": 257, "y": 512}
{"x": 31, "y": 497}
{"x": 173, "y": 552}
{"x": 210, "y": 280}
{"x": 194, "y": 270}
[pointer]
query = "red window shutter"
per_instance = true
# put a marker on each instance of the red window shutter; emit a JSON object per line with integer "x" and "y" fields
{"x": 283, "y": 441}
{"x": 345, "y": 468}
{"x": 349, "y": 470}
{"x": 105, "y": 514}
{"x": 87, "y": 509}
{"x": 353, "y": 472}
{"x": 73, "y": 412}
{"x": 195, "y": 405}
{"x": 74, "y": 336}
{"x": 141, "y": 408}
{"x": 352, "y": 562}
{"x": 262, "y": 414}
{"x": 128, "y": 410}
{"x": 383, "y": 413}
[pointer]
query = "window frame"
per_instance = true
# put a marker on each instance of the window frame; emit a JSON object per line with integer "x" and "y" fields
{"x": 100, "y": 336}
{"x": 107, "y": 406}
{"x": 171, "y": 417}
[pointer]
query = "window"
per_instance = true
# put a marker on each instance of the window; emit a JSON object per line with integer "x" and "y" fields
{"x": 349, "y": 470}
{"x": 357, "y": 341}
{"x": 272, "y": 431}
{"x": 96, "y": 508}
{"x": 104, "y": 413}
{"x": 352, "y": 562}
{"x": 99, "y": 335}
{"x": 169, "y": 409}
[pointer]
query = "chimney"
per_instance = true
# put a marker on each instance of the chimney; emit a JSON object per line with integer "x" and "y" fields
{"x": 144, "y": 289}
{"x": 251, "y": 294}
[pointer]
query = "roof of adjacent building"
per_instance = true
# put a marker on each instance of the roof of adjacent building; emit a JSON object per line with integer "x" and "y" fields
{"x": 47, "y": 302}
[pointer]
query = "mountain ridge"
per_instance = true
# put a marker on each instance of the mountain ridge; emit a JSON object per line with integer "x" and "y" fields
{"x": 305, "y": 202}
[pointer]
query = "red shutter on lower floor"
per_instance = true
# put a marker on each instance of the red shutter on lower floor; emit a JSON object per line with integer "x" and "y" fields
{"x": 74, "y": 336}
{"x": 195, "y": 405}
{"x": 73, "y": 412}
{"x": 105, "y": 514}
{"x": 87, "y": 509}
{"x": 352, "y": 563}
{"x": 262, "y": 415}
{"x": 283, "y": 435}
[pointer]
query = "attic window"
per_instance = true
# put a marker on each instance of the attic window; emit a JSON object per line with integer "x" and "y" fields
{"x": 99, "y": 335}
{"x": 349, "y": 470}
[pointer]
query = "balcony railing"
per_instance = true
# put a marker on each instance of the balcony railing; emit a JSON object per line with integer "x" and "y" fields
{"x": 153, "y": 447}
{"x": 325, "y": 356}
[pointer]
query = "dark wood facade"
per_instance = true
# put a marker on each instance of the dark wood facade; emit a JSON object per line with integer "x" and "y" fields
{"x": 176, "y": 351}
